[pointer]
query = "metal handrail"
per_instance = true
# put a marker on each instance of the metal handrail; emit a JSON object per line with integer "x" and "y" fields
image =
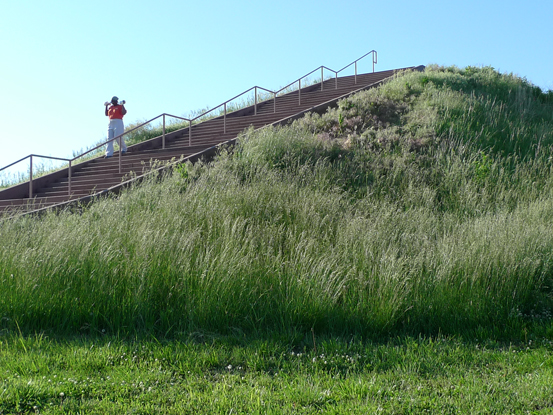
{"x": 374, "y": 61}
{"x": 191, "y": 120}
{"x": 30, "y": 157}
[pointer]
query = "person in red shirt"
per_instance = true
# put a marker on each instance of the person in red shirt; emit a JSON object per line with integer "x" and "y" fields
{"x": 115, "y": 112}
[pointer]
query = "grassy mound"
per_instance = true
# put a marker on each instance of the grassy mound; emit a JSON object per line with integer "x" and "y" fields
{"x": 422, "y": 206}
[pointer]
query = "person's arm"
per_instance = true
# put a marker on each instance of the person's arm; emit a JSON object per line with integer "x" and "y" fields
{"x": 107, "y": 105}
{"x": 123, "y": 110}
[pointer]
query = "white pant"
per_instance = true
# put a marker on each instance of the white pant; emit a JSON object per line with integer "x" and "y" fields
{"x": 115, "y": 128}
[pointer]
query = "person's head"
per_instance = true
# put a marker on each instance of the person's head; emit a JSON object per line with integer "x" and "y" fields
{"x": 114, "y": 100}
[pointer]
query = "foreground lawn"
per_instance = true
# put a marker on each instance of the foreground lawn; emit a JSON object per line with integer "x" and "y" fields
{"x": 231, "y": 375}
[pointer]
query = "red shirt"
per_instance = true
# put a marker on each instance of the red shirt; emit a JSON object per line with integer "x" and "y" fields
{"x": 115, "y": 112}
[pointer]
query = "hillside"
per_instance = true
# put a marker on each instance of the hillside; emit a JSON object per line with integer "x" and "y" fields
{"x": 421, "y": 206}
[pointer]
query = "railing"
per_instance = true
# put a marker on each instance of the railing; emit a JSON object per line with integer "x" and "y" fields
{"x": 191, "y": 120}
{"x": 322, "y": 68}
{"x": 30, "y": 157}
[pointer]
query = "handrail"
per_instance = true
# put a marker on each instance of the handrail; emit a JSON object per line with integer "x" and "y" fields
{"x": 30, "y": 156}
{"x": 190, "y": 120}
{"x": 33, "y": 155}
{"x": 374, "y": 61}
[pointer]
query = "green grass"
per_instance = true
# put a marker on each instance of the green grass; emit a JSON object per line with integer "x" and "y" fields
{"x": 420, "y": 208}
{"x": 362, "y": 220}
{"x": 384, "y": 228}
{"x": 213, "y": 374}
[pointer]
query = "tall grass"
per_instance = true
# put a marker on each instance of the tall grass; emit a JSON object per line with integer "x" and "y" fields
{"x": 373, "y": 218}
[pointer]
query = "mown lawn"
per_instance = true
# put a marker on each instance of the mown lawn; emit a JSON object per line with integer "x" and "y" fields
{"x": 108, "y": 375}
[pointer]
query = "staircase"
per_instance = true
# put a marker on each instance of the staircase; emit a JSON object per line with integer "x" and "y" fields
{"x": 99, "y": 176}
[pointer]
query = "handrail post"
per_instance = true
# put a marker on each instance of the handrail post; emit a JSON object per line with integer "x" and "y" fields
{"x": 120, "y": 147}
{"x": 322, "y": 78}
{"x": 356, "y": 72}
{"x": 225, "y": 120}
{"x": 299, "y": 92}
{"x": 163, "y": 140}
{"x": 190, "y": 133}
{"x": 274, "y": 97}
{"x": 69, "y": 182}
{"x": 375, "y": 58}
{"x": 255, "y": 107}
{"x": 336, "y": 83}
{"x": 31, "y": 177}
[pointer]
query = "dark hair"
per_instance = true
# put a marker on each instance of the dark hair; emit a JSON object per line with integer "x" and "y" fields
{"x": 114, "y": 100}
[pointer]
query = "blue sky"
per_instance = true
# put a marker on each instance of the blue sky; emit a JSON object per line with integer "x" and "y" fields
{"x": 62, "y": 59}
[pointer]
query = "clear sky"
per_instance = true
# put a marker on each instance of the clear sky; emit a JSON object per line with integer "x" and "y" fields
{"x": 61, "y": 60}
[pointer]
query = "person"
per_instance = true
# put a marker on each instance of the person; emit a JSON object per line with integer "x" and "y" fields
{"x": 115, "y": 112}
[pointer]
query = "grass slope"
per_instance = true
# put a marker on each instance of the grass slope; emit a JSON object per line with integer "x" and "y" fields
{"x": 421, "y": 206}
